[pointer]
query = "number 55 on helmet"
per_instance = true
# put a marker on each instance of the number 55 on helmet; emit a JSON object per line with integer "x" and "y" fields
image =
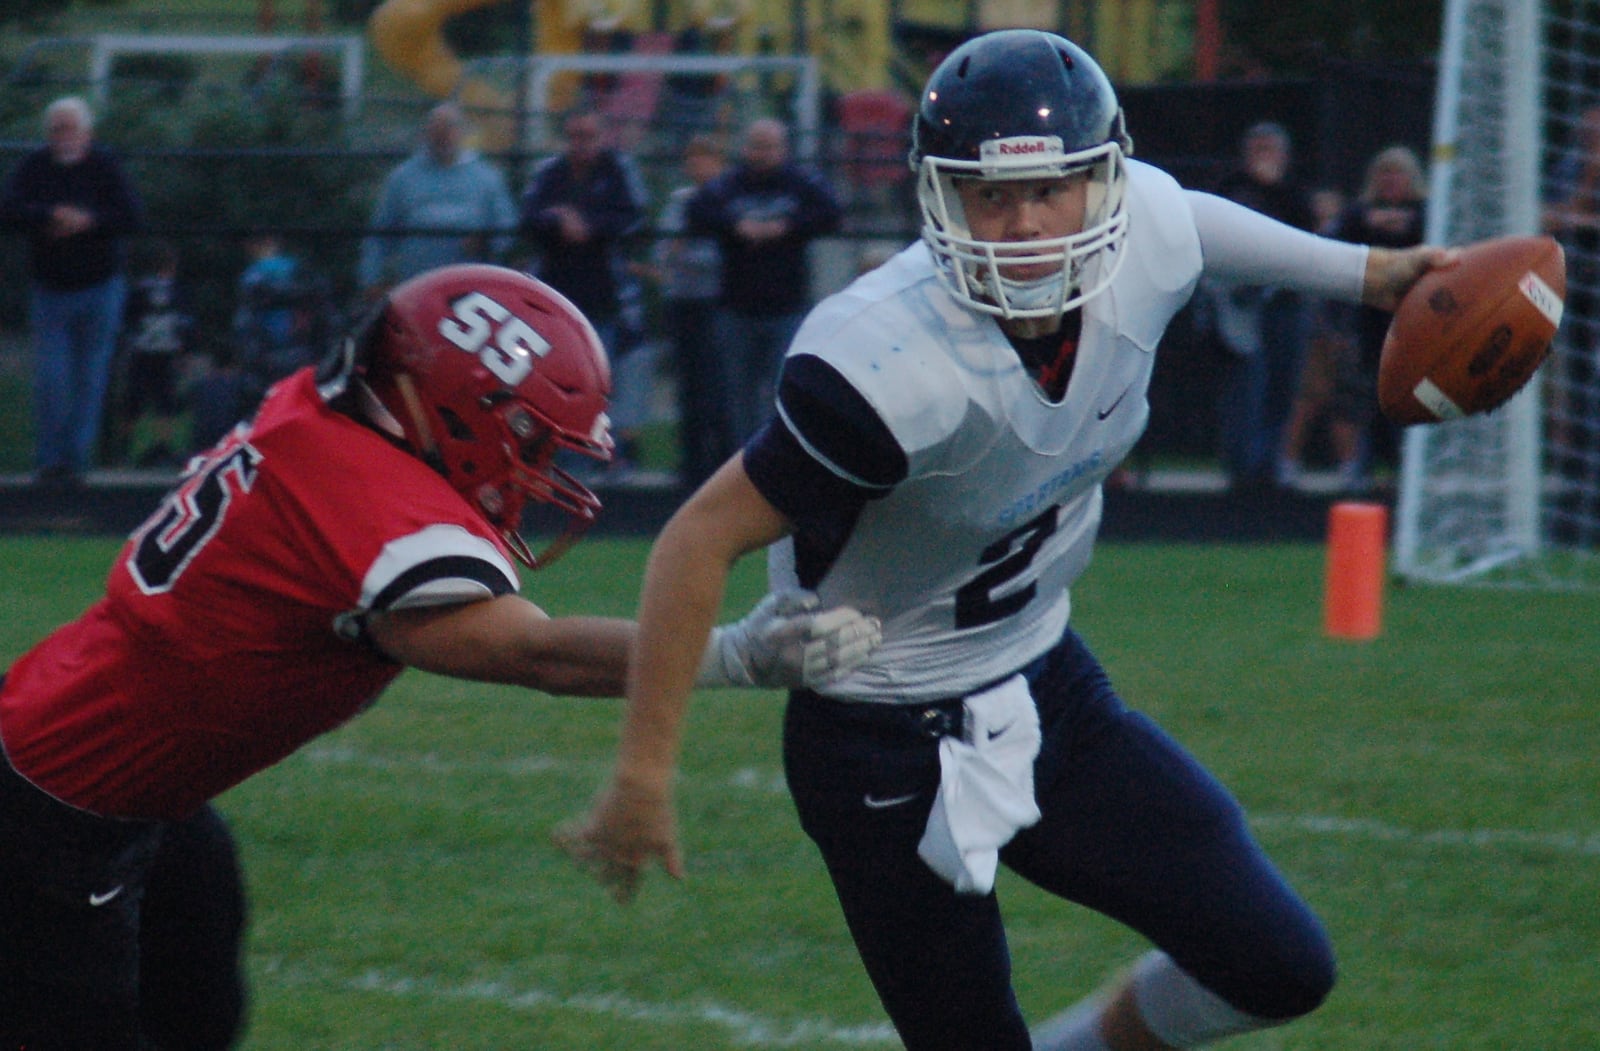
{"x": 486, "y": 374}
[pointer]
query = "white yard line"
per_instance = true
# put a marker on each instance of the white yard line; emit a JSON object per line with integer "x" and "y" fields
{"x": 742, "y": 1027}
{"x": 1587, "y": 845}
{"x": 770, "y": 782}
{"x": 340, "y": 754}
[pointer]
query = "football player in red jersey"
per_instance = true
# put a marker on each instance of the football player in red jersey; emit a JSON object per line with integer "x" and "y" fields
{"x": 364, "y": 521}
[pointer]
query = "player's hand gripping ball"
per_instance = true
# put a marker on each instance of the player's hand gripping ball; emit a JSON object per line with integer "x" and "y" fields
{"x": 1469, "y": 336}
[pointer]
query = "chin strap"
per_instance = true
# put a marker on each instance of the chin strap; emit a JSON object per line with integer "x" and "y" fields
{"x": 376, "y": 412}
{"x": 419, "y": 418}
{"x": 557, "y": 546}
{"x": 428, "y": 449}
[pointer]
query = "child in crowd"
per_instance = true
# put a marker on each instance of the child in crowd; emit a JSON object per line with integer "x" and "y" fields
{"x": 156, "y": 334}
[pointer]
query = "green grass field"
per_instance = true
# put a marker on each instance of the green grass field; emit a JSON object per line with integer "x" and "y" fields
{"x": 1433, "y": 793}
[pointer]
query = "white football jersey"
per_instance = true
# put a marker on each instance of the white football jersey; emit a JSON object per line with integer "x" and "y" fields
{"x": 969, "y": 560}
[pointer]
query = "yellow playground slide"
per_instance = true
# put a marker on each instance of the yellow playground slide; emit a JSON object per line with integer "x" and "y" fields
{"x": 409, "y": 36}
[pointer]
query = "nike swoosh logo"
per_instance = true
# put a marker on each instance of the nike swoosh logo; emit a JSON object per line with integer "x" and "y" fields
{"x": 992, "y": 734}
{"x": 875, "y": 803}
{"x": 97, "y": 900}
{"x": 1103, "y": 413}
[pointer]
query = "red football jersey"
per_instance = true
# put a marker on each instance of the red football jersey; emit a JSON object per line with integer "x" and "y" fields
{"x": 231, "y": 628}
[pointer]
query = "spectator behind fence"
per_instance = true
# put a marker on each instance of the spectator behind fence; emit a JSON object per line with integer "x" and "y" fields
{"x": 687, "y": 271}
{"x": 454, "y": 203}
{"x": 1262, "y": 326}
{"x": 1391, "y": 212}
{"x": 764, "y": 212}
{"x": 156, "y": 331}
{"x": 579, "y": 210}
{"x": 283, "y": 315}
{"x": 76, "y": 205}
{"x": 1329, "y": 346}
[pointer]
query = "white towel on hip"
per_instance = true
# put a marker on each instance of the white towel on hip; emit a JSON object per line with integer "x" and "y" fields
{"x": 985, "y": 787}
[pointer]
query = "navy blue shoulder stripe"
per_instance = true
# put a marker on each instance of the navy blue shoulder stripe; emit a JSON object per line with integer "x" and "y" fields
{"x": 833, "y": 418}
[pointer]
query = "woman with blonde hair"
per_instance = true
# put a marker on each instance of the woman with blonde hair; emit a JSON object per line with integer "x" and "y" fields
{"x": 1391, "y": 211}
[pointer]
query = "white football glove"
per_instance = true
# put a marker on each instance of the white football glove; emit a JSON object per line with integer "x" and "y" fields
{"x": 784, "y": 642}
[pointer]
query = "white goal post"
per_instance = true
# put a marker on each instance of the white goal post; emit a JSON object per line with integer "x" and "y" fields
{"x": 1508, "y": 498}
{"x": 105, "y": 47}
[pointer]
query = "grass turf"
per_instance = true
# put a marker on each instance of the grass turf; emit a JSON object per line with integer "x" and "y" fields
{"x": 1431, "y": 793}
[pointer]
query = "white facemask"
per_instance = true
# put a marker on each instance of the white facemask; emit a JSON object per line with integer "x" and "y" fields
{"x": 971, "y": 268}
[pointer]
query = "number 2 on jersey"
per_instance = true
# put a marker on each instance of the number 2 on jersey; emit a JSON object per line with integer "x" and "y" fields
{"x": 976, "y": 603}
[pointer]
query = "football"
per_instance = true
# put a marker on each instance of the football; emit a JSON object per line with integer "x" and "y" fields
{"x": 1469, "y": 336}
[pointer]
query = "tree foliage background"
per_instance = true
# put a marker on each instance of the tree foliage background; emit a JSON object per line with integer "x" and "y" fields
{"x": 37, "y": 13}
{"x": 1290, "y": 38}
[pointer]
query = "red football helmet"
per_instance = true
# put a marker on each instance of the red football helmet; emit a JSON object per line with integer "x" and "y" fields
{"x": 487, "y": 373}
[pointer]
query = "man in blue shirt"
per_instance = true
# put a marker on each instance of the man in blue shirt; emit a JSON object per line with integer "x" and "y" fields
{"x": 444, "y": 204}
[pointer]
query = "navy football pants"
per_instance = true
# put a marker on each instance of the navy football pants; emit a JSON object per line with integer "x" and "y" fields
{"x": 1132, "y": 827}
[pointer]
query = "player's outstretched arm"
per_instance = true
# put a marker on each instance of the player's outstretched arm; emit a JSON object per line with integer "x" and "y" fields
{"x": 785, "y": 641}
{"x": 510, "y": 640}
{"x": 632, "y": 822}
{"x": 788, "y": 641}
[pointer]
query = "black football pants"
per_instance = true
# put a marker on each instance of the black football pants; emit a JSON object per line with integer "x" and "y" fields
{"x": 116, "y": 935}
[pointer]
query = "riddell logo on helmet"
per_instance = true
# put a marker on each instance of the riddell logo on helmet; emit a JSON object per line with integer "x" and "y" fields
{"x": 1021, "y": 147}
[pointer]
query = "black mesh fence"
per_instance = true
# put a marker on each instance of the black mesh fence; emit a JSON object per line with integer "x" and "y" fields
{"x": 288, "y": 160}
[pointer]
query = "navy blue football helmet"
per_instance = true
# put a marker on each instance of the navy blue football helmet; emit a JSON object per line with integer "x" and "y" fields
{"x": 1021, "y": 104}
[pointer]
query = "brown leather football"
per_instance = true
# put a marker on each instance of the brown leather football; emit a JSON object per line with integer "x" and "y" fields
{"x": 1469, "y": 336}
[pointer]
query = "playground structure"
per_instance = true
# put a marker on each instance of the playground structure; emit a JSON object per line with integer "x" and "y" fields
{"x": 858, "y": 49}
{"x": 864, "y": 59}
{"x": 569, "y": 52}
{"x": 850, "y": 44}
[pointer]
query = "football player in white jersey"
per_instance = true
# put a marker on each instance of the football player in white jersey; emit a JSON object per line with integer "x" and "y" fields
{"x": 943, "y": 428}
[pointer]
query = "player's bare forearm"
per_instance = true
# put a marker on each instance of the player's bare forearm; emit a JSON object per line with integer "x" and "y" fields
{"x": 632, "y": 821}
{"x": 684, "y": 584}
{"x": 580, "y": 657}
{"x": 1392, "y": 271}
{"x": 682, "y": 591}
{"x": 510, "y": 640}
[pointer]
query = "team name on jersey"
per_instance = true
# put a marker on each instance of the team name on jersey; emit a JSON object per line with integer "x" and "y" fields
{"x": 1051, "y": 488}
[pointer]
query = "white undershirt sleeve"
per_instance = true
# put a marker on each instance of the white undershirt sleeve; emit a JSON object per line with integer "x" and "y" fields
{"x": 1245, "y": 247}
